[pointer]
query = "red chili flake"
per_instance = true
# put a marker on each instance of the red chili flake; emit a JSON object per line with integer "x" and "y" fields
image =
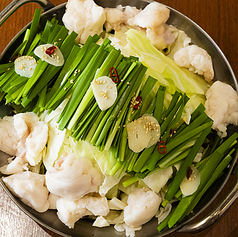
{"x": 17, "y": 55}
{"x": 189, "y": 172}
{"x": 50, "y": 50}
{"x": 114, "y": 76}
{"x": 162, "y": 147}
{"x": 137, "y": 102}
{"x": 171, "y": 132}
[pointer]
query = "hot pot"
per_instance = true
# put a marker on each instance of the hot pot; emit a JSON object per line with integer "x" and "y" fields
{"x": 223, "y": 72}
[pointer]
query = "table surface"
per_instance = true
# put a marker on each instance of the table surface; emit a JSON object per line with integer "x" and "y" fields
{"x": 219, "y": 19}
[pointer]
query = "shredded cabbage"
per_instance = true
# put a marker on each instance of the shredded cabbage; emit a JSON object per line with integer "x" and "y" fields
{"x": 168, "y": 72}
{"x": 60, "y": 142}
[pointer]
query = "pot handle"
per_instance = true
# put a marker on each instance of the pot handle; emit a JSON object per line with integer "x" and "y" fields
{"x": 215, "y": 214}
{"x": 15, "y": 4}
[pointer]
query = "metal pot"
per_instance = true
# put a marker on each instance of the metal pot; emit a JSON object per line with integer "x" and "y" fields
{"x": 223, "y": 72}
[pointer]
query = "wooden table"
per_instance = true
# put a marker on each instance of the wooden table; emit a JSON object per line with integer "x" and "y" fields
{"x": 219, "y": 19}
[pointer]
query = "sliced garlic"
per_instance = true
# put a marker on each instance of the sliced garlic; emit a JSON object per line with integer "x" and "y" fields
{"x": 154, "y": 130}
{"x": 100, "y": 222}
{"x": 162, "y": 175}
{"x": 25, "y": 66}
{"x": 105, "y": 92}
{"x": 190, "y": 185}
{"x": 56, "y": 58}
{"x": 116, "y": 204}
{"x": 143, "y": 133}
{"x": 138, "y": 138}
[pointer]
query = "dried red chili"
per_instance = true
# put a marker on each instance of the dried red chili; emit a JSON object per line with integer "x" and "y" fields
{"x": 172, "y": 131}
{"x": 17, "y": 55}
{"x": 137, "y": 102}
{"x": 162, "y": 147}
{"x": 50, "y": 50}
{"x": 114, "y": 76}
{"x": 189, "y": 172}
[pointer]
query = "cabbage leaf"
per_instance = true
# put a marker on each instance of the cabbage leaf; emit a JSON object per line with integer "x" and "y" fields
{"x": 168, "y": 72}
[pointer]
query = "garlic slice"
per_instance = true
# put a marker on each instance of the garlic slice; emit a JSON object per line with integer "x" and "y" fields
{"x": 100, "y": 222}
{"x": 53, "y": 57}
{"x": 25, "y": 66}
{"x": 143, "y": 133}
{"x": 154, "y": 130}
{"x": 190, "y": 185}
{"x": 116, "y": 204}
{"x": 105, "y": 92}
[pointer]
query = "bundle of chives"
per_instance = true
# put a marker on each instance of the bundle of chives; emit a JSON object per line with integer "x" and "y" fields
{"x": 186, "y": 164}
{"x": 159, "y": 106}
{"x": 127, "y": 64}
{"x": 209, "y": 173}
{"x": 93, "y": 119}
{"x": 33, "y": 30}
{"x": 147, "y": 159}
{"x": 17, "y": 89}
{"x": 147, "y": 92}
{"x": 5, "y": 67}
{"x": 76, "y": 55}
{"x": 168, "y": 119}
{"x": 38, "y": 81}
{"x": 217, "y": 172}
{"x": 131, "y": 84}
{"x": 179, "y": 143}
{"x": 82, "y": 85}
{"x": 177, "y": 147}
{"x": 110, "y": 61}
{"x": 57, "y": 95}
{"x": 23, "y": 47}
{"x": 123, "y": 119}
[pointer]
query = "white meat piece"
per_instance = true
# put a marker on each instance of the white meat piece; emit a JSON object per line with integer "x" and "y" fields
{"x": 153, "y": 15}
{"x": 33, "y": 135}
{"x": 52, "y": 201}
{"x": 116, "y": 17}
{"x": 16, "y": 165}
{"x": 72, "y": 178}
{"x": 84, "y": 17}
{"x": 196, "y": 59}
{"x": 70, "y": 212}
{"x": 130, "y": 12}
{"x": 27, "y": 136}
{"x": 30, "y": 188}
{"x": 118, "y": 39}
{"x": 9, "y": 138}
{"x": 222, "y": 106}
{"x": 97, "y": 205}
{"x": 142, "y": 206}
{"x": 161, "y": 36}
{"x": 153, "y": 18}
{"x": 181, "y": 41}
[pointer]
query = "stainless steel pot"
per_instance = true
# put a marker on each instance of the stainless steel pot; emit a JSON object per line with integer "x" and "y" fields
{"x": 223, "y": 72}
